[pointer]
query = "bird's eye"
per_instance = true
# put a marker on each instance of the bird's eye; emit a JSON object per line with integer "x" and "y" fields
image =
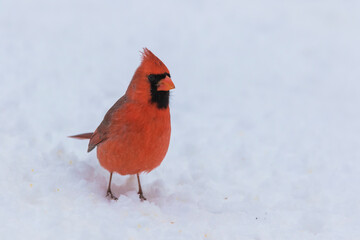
{"x": 151, "y": 78}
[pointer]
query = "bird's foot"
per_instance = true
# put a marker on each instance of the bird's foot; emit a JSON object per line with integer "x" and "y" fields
{"x": 141, "y": 196}
{"x": 109, "y": 193}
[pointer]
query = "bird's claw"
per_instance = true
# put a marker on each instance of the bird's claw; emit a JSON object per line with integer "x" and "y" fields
{"x": 141, "y": 196}
{"x": 109, "y": 193}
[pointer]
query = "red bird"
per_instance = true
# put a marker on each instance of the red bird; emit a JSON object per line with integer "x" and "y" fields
{"x": 135, "y": 133}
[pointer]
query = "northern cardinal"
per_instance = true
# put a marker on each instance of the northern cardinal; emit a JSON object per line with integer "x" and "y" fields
{"x": 134, "y": 135}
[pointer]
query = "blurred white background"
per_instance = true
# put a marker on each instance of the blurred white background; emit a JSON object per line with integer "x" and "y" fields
{"x": 265, "y": 117}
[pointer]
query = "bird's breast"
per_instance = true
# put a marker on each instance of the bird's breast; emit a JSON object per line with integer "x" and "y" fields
{"x": 137, "y": 141}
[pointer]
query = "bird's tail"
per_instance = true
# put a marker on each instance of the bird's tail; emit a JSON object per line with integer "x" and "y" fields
{"x": 82, "y": 136}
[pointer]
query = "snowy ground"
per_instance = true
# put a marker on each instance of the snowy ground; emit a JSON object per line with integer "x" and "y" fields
{"x": 265, "y": 116}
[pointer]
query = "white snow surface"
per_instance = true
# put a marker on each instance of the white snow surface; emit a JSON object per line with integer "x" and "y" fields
{"x": 265, "y": 119}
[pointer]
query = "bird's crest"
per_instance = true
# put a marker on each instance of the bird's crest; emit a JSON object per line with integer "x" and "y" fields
{"x": 152, "y": 64}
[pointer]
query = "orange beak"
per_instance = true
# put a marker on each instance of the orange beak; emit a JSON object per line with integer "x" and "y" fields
{"x": 165, "y": 85}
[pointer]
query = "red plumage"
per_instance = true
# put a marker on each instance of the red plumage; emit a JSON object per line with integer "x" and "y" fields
{"x": 135, "y": 133}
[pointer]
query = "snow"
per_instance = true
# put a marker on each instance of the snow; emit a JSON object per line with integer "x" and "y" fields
{"x": 265, "y": 119}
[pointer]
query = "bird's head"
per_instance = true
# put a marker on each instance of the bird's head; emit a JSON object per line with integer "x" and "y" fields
{"x": 151, "y": 81}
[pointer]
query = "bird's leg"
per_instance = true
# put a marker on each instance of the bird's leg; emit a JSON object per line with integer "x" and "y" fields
{"x": 141, "y": 196}
{"x": 109, "y": 193}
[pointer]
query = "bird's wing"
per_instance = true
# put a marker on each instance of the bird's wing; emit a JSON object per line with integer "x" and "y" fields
{"x": 101, "y": 133}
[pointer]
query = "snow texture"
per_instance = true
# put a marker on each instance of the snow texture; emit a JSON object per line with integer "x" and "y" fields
{"x": 265, "y": 118}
